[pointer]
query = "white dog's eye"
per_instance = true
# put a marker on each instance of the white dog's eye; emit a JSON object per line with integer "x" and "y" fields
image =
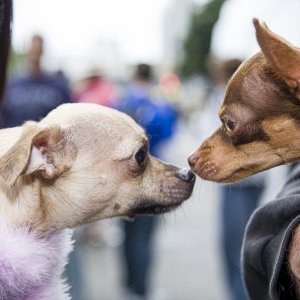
{"x": 140, "y": 156}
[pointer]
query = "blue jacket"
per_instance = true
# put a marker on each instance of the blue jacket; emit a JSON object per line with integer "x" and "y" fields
{"x": 31, "y": 98}
{"x": 156, "y": 116}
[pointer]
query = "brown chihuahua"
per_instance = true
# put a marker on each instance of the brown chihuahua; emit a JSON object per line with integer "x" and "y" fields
{"x": 260, "y": 115}
{"x": 260, "y": 121}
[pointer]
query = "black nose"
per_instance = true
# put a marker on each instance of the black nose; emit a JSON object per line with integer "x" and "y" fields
{"x": 185, "y": 174}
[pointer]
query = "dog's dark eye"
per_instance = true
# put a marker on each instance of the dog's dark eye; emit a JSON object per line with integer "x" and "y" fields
{"x": 229, "y": 125}
{"x": 140, "y": 156}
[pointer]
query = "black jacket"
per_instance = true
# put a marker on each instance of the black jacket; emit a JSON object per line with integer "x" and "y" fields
{"x": 266, "y": 243}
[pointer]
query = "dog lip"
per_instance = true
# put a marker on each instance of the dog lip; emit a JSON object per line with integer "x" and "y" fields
{"x": 207, "y": 170}
{"x": 233, "y": 176}
{"x": 152, "y": 208}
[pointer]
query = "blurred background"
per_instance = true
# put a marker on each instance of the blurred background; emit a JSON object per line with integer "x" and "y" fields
{"x": 166, "y": 63}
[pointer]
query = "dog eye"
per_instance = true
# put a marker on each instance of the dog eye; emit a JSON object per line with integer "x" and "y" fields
{"x": 140, "y": 156}
{"x": 229, "y": 125}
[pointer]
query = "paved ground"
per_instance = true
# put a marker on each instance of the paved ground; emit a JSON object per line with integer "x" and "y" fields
{"x": 187, "y": 258}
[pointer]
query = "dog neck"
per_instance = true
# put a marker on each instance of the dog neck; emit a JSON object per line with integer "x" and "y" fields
{"x": 20, "y": 204}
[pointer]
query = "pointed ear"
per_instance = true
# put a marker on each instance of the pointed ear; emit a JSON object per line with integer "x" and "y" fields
{"x": 41, "y": 152}
{"x": 284, "y": 57}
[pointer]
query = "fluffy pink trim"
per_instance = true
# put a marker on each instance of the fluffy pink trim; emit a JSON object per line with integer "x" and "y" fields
{"x": 31, "y": 265}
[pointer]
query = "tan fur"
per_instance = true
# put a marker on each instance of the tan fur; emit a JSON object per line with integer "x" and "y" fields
{"x": 77, "y": 165}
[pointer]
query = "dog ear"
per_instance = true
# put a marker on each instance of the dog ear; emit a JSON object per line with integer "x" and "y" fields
{"x": 39, "y": 152}
{"x": 283, "y": 56}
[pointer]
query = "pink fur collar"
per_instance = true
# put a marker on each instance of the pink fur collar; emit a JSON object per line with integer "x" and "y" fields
{"x": 31, "y": 265}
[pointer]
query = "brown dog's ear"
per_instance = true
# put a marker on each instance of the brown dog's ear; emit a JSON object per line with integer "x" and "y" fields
{"x": 284, "y": 57}
{"x": 37, "y": 151}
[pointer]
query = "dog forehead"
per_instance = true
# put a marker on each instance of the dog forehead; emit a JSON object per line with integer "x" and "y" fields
{"x": 91, "y": 115}
{"x": 244, "y": 76}
{"x": 96, "y": 128}
{"x": 74, "y": 112}
{"x": 251, "y": 86}
{"x": 237, "y": 112}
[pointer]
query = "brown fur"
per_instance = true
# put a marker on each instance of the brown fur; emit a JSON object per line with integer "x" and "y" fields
{"x": 261, "y": 100}
{"x": 261, "y": 121}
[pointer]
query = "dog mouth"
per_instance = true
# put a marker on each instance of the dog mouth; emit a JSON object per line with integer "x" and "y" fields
{"x": 226, "y": 175}
{"x": 221, "y": 176}
{"x": 165, "y": 197}
{"x": 152, "y": 208}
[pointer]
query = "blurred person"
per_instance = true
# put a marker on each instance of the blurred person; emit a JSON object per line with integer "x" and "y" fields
{"x": 158, "y": 118}
{"x": 238, "y": 200}
{"x": 94, "y": 88}
{"x": 170, "y": 88}
{"x": 30, "y": 95}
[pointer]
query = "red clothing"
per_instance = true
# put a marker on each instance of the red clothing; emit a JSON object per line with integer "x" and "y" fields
{"x": 96, "y": 90}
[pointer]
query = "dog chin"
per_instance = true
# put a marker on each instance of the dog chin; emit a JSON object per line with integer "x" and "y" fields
{"x": 233, "y": 177}
{"x": 228, "y": 178}
{"x": 152, "y": 208}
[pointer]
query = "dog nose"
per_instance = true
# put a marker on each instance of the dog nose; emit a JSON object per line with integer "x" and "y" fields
{"x": 192, "y": 160}
{"x": 185, "y": 174}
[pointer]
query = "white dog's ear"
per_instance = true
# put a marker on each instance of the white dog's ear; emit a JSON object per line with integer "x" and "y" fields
{"x": 42, "y": 152}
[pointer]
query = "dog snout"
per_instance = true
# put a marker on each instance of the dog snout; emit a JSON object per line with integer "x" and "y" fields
{"x": 192, "y": 160}
{"x": 200, "y": 154}
{"x": 185, "y": 175}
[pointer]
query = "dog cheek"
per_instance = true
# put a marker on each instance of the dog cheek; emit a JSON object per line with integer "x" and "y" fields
{"x": 152, "y": 183}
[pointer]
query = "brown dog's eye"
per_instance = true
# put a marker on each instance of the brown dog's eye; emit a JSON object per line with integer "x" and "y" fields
{"x": 140, "y": 156}
{"x": 229, "y": 125}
